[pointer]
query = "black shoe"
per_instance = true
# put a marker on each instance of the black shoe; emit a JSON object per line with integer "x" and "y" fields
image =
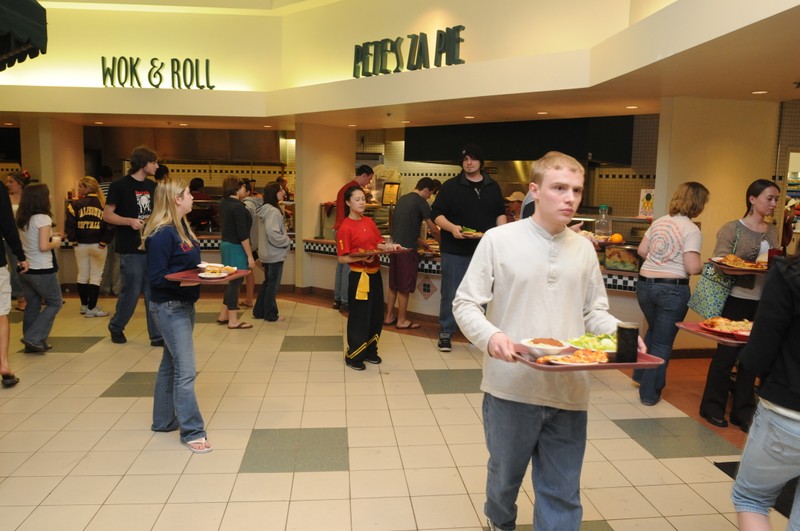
{"x": 9, "y": 380}
{"x": 444, "y": 344}
{"x": 336, "y": 305}
{"x": 355, "y": 365}
{"x": 744, "y": 426}
{"x": 375, "y": 360}
{"x": 118, "y": 337}
{"x": 157, "y": 342}
{"x": 344, "y": 308}
{"x": 719, "y": 422}
{"x": 31, "y": 348}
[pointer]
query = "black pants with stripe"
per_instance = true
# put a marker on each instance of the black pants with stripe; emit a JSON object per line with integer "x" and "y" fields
{"x": 365, "y": 319}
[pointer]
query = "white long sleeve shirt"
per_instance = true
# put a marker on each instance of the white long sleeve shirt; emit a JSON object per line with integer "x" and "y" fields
{"x": 534, "y": 285}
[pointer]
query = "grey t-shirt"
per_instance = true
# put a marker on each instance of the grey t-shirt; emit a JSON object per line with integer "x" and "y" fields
{"x": 409, "y": 213}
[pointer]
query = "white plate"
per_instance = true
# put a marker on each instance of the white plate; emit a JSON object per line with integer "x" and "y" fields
{"x": 544, "y": 350}
{"x": 203, "y": 265}
{"x": 212, "y": 275}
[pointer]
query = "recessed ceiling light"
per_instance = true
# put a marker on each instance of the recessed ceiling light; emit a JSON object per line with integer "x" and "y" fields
{"x": 8, "y": 123}
{"x": 98, "y": 123}
{"x": 183, "y": 125}
{"x": 352, "y": 125}
{"x": 759, "y": 92}
{"x": 405, "y": 121}
{"x": 631, "y": 106}
{"x": 267, "y": 126}
{"x": 468, "y": 117}
{"x": 542, "y": 112}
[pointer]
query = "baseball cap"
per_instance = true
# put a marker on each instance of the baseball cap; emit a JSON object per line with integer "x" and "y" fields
{"x": 516, "y": 196}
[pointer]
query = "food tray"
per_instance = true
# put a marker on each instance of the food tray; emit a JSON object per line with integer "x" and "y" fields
{"x": 737, "y": 270}
{"x": 723, "y": 338}
{"x": 373, "y": 252}
{"x": 191, "y": 275}
{"x": 644, "y": 361}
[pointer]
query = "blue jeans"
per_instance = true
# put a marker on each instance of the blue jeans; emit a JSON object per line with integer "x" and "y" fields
{"x": 134, "y": 282}
{"x": 771, "y": 458}
{"x": 555, "y": 441}
{"x": 174, "y": 401}
{"x": 663, "y": 305}
{"x": 16, "y": 284}
{"x": 266, "y": 307}
{"x": 454, "y": 267}
{"x": 38, "y": 321}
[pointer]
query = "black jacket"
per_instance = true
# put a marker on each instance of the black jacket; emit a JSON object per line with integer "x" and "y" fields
{"x": 8, "y": 229}
{"x": 773, "y": 351}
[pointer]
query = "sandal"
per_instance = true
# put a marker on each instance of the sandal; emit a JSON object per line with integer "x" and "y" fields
{"x": 409, "y": 326}
{"x": 241, "y": 326}
{"x": 390, "y": 323}
{"x": 197, "y": 442}
{"x": 9, "y": 380}
{"x": 222, "y": 321}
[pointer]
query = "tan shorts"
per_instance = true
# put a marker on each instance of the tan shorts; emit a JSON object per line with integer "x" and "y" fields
{"x": 5, "y": 291}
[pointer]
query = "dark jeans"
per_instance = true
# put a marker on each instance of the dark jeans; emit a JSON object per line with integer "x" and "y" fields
{"x": 718, "y": 381}
{"x": 231, "y": 298}
{"x": 133, "y": 274}
{"x": 38, "y": 320}
{"x": 266, "y": 307}
{"x": 663, "y": 305}
{"x": 454, "y": 267}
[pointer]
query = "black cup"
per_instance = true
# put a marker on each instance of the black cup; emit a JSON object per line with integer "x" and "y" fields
{"x": 627, "y": 342}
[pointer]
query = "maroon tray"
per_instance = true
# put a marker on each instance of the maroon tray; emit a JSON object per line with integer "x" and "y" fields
{"x": 373, "y": 252}
{"x": 723, "y": 338}
{"x": 725, "y": 268}
{"x": 191, "y": 275}
{"x": 644, "y": 361}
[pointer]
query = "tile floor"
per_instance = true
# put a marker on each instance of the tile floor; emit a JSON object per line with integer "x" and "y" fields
{"x": 301, "y": 442}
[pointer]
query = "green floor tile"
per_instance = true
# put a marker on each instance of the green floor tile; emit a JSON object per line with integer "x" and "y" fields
{"x": 593, "y": 525}
{"x": 312, "y": 343}
{"x": 296, "y": 450}
{"x": 437, "y": 382}
{"x": 136, "y": 384}
{"x": 70, "y": 343}
{"x": 687, "y": 446}
{"x": 206, "y": 317}
{"x": 323, "y": 459}
{"x": 643, "y": 428}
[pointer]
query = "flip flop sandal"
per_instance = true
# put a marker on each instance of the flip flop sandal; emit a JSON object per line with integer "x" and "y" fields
{"x": 222, "y": 322}
{"x": 9, "y": 380}
{"x": 241, "y": 326}
{"x": 390, "y": 323}
{"x": 201, "y": 440}
{"x": 411, "y": 326}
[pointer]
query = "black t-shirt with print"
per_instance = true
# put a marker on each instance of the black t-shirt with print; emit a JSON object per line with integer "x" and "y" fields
{"x": 132, "y": 199}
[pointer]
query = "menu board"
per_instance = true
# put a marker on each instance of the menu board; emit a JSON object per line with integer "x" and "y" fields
{"x": 390, "y": 192}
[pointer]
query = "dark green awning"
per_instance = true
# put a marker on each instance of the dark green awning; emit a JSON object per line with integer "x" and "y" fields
{"x": 23, "y": 31}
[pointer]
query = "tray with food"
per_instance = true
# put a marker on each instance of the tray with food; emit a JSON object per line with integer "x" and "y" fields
{"x": 733, "y": 264}
{"x": 471, "y": 233}
{"x": 582, "y": 360}
{"x": 604, "y": 342}
{"x": 211, "y": 274}
{"x": 729, "y": 339}
{"x": 372, "y": 252}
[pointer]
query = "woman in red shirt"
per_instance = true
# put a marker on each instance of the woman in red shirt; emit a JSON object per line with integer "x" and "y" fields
{"x": 365, "y": 290}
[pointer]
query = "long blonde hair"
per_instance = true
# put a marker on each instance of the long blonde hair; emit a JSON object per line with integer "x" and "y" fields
{"x": 165, "y": 212}
{"x": 94, "y": 188}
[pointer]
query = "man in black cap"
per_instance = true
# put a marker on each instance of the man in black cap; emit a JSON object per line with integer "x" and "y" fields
{"x": 470, "y": 202}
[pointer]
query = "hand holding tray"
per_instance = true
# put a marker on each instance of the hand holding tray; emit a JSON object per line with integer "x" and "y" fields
{"x": 644, "y": 361}
{"x": 193, "y": 275}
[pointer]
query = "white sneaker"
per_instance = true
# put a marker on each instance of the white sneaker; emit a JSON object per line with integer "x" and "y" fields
{"x": 96, "y": 312}
{"x": 84, "y": 308}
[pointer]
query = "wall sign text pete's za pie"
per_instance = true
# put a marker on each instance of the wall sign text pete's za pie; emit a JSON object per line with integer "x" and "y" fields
{"x": 377, "y": 57}
{"x": 183, "y": 74}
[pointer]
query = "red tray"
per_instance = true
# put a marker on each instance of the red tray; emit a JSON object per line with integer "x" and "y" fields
{"x": 736, "y": 270}
{"x": 191, "y": 275}
{"x": 373, "y": 252}
{"x": 644, "y": 361}
{"x": 723, "y": 338}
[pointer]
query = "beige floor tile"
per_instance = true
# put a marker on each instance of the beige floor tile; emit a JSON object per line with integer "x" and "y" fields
{"x": 469, "y": 454}
{"x": 368, "y": 418}
{"x": 363, "y": 388}
{"x": 646, "y": 472}
{"x": 399, "y": 402}
{"x": 133, "y": 420}
{"x": 286, "y": 389}
{"x": 239, "y": 403}
{"x": 621, "y": 449}
{"x": 202, "y": 488}
{"x": 321, "y": 486}
{"x": 620, "y": 502}
{"x": 72, "y": 517}
{"x": 324, "y": 403}
{"x": 324, "y": 419}
{"x": 326, "y": 389}
{"x": 413, "y": 417}
{"x": 426, "y": 456}
{"x": 331, "y": 515}
{"x": 447, "y": 417}
{"x": 676, "y": 500}
{"x": 708, "y": 522}
{"x": 49, "y": 464}
{"x": 641, "y": 524}
{"x": 66, "y": 405}
{"x": 440, "y": 512}
{"x": 161, "y": 462}
{"x": 399, "y": 376}
{"x": 195, "y": 516}
{"x": 365, "y": 437}
{"x": 14, "y": 516}
{"x": 282, "y": 403}
{"x": 621, "y": 411}
{"x": 246, "y": 376}
{"x": 383, "y": 514}
{"x": 26, "y": 490}
{"x": 262, "y": 487}
{"x": 93, "y": 421}
{"x": 82, "y": 490}
{"x": 717, "y": 494}
{"x": 25, "y": 441}
{"x": 378, "y": 484}
{"x": 246, "y": 389}
{"x": 124, "y": 440}
{"x": 463, "y": 434}
{"x": 434, "y": 481}
{"x": 217, "y": 462}
{"x": 10, "y": 461}
{"x": 143, "y": 489}
{"x": 695, "y": 470}
{"x": 418, "y": 435}
{"x": 402, "y": 388}
{"x": 449, "y": 401}
{"x": 604, "y": 429}
{"x": 366, "y": 403}
{"x": 110, "y": 405}
{"x": 96, "y": 463}
{"x": 375, "y": 458}
{"x": 45, "y": 421}
{"x": 601, "y": 474}
{"x": 278, "y": 419}
{"x": 232, "y": 420}
{"x": 73, "y": 441}
{"x": 255, "y": 515}
{"x": 139, "y": 517}
{"x": 326, "y": 371}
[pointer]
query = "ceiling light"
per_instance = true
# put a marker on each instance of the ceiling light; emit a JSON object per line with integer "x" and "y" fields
{"x": 468, "y": 117}
{"x": 631, "y": 107}
{"x": 405, "y": 121}
{"x": 267, "y": 126}
{"x": 759, "y": 92}
{"x": 8, "y": 123}
{"x": 352, "y": 125}
{"x": 98, "y": 123}
{"x": 542, "y": 112}
{"x": 183, "y": 125}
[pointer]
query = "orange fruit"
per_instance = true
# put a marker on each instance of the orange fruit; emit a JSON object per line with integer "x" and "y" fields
{"x": 616, "y": 238}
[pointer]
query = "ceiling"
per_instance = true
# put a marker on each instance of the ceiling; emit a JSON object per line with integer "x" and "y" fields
{"x": 762, "y": 56}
